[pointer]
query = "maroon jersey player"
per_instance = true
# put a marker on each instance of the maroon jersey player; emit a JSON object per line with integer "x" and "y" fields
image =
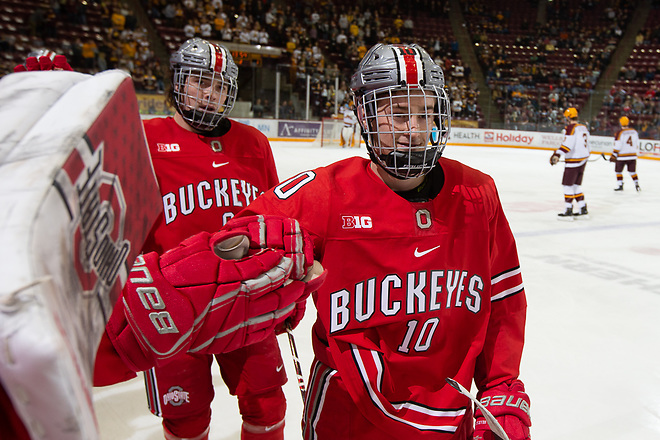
{"x": 208, "y": 167}
{"x": 423, "y": 279}
{"x": 624, "y": 153}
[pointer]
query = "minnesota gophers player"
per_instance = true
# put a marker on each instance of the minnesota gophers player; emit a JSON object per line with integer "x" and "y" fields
{"x": 624, "y": 153}
{"x": 575, "y": 150}
{"x": 423, "y": 279}
{"x": 348, "y": 134}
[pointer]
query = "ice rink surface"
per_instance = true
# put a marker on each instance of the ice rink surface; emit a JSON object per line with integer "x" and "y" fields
{"x": 591, "y": 363}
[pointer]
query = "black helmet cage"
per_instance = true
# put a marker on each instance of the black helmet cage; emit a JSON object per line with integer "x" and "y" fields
{"x": 199, "y": 62}
{"x": 390, "y": 72}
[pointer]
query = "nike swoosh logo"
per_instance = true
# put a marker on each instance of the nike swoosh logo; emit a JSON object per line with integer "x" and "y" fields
{"x": 419, "y": 253}
{"x": 278, "y": 369}
{"x": 218, "y": 165}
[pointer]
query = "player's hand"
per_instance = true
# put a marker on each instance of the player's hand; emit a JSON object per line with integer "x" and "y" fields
{"x": 510, "y": 405}
{"x": 554, "y": 158}
{"x": 613, "y": 158}
{"x": 275, "y": 232}
{"x": 59, "y": 62}
{"x": 189, "y": 299}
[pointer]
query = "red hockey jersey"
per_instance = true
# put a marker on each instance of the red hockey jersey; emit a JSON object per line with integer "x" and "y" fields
{"x": 204, "y": 180}
{"x": 415, "y": 293}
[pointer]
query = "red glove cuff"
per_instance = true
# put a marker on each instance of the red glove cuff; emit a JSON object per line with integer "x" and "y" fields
{"x": 161, "y": 318}
{"x": 124, "y": 341}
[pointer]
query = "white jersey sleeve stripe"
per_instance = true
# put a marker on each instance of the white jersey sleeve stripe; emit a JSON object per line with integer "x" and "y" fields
{"x": 508, "y": 292}
{"x": 504, "y": 276}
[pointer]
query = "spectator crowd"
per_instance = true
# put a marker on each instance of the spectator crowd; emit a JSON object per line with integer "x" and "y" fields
{"x": 521, "y": 60}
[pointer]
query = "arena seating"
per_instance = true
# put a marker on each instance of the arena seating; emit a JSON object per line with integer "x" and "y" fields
{"x": 532, "y": 72}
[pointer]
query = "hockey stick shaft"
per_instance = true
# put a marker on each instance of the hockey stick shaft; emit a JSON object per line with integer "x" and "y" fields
{"x": 592, "y": 159}
{"x": 490, "y": 419}
{"x": 296, "y": 361}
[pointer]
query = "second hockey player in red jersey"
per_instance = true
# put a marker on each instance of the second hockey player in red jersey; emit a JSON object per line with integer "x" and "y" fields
{"x": 423, "y": 279}
{"x": 208, "y": 167}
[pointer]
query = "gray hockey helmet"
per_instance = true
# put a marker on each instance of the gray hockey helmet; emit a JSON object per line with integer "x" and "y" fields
{"x": 204, "y": 82}
{"x": 405, "y": 141}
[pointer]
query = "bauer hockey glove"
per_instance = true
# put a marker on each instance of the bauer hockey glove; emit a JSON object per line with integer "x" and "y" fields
{"x": 269, "y": 231}
{"x": 58, "y": 62}
{"x": 510, "y": 406}
{"x": 189, "y": 299}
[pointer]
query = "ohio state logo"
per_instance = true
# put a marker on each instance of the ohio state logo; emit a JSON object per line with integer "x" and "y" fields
{"x": 176, "y": 396}
{"x": 95, "y": 201}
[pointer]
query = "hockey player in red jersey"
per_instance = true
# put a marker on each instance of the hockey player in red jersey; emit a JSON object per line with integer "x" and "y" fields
{"x": 209, "y": 167}
{"x": 423, "y": 279}
{"x": 575, "y": 150}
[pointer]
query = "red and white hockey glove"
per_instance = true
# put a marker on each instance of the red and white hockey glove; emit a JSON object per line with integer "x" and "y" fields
{"x": 510, "y": 406}
{"x": 189, "y": 299}
{"x": 554, "y": 158}
{"x": 58, "y": 62}
{"x": 269, "y": 231}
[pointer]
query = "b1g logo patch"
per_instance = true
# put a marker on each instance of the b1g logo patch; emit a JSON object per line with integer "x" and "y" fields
{"x": 176, "y": 396}
{"x": 166, "y": 148}
{"x": 356, "y": 222}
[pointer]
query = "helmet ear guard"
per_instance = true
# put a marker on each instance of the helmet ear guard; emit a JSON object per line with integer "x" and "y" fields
{"x": 204, "y": 83}
{"x": 394, "y": 77}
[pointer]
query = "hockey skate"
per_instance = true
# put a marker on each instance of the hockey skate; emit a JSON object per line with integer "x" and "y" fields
{"x": 566, "y": 216}
{"x": 583, "y": 214}
{"x": 637, "y": 187}
{"x": 619, "y": 188}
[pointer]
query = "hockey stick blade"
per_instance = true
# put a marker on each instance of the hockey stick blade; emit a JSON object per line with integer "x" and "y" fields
{"x": 490, "y": 419}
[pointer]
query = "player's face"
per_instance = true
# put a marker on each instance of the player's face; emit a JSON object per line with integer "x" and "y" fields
{"x": 405, "y": 121}
{"x": 204, "y": 91}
